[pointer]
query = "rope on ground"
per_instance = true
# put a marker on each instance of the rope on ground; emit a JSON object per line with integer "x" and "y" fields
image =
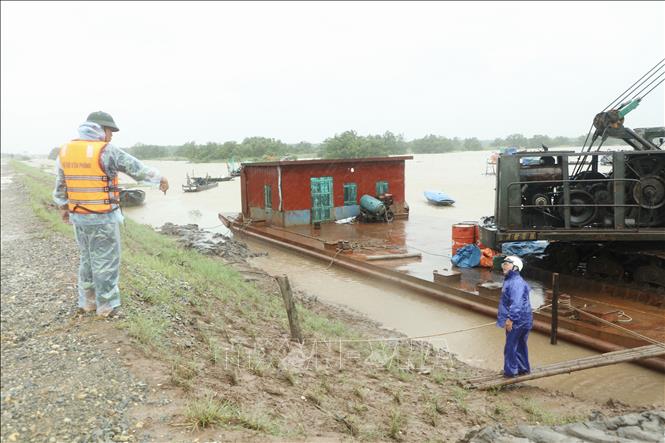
{"x": 632, "y": 308}
{"x": 609, "y": 323}
{"x": 429, "y": 253}
{"x": 623, "y": 314}
{"x": 333, "y": 259}
{"x": 418, "y": 337}
{"x": 372, "y": 340}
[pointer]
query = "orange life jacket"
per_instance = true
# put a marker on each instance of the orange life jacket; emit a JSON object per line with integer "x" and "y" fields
{"x": 89, "y": 189}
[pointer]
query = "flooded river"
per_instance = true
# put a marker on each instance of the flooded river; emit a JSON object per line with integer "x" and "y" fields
{"x": 460, "y": 175}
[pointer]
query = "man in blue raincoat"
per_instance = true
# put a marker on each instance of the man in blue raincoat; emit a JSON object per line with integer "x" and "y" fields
{"x": 86, "y": 189}
{"x": 516, "y": 317}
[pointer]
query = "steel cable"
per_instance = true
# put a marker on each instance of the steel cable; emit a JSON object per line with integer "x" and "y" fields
{"x": 649, "y": 84}
{"x": 626, "y": 92}
{"x": 654, "y": 87}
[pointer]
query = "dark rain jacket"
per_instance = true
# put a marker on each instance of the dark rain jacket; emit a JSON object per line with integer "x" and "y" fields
{"x": 514, "y": 303}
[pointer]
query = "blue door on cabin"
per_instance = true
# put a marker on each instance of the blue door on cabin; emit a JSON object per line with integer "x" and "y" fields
{"x": 322, "y": 198}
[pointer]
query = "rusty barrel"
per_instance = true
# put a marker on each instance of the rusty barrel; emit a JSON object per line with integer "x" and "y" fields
{"x": 463, "y": 234}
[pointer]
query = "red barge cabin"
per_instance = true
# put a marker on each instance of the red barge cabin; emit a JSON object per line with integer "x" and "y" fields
{"x": 288, "y": 193}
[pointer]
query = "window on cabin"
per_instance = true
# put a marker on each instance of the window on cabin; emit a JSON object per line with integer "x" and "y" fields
{"x": 350, "y": 194}
{"x": 267, "y": 196}
{"x": 381, "y": 187}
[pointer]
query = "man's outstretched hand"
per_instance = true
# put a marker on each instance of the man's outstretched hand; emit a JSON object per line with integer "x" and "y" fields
{"x": 164, "y": 185}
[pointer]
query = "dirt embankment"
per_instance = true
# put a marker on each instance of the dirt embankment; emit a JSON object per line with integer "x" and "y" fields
{"x": 222, "y": 367}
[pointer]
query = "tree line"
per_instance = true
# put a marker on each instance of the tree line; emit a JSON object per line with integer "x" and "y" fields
{"x": 537, "y": 141}
{"x": 348, "y": 144}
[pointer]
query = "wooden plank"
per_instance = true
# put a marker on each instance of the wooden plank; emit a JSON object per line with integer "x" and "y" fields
{"x": 610, "y": 358}
{"x": 572, "y": 366}
{"x": 621, "y": 352}
{"x": 291, "y": 312}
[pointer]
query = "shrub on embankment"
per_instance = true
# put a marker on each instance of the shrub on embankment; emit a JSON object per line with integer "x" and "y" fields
{"x": 225, "y": 344}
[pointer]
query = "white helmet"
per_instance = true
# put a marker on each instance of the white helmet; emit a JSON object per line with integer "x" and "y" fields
{"x": 516, "y": 262}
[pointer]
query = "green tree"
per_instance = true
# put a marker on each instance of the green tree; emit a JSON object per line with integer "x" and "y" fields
{"x": 517, "y": 140}
{"x": 472, "y": 144}
{"x": 344, "y": 145}
{"x": 393, "y": 144}
{"x": 561, "y": 141}
{"x": 229, "y": 150}
{"x": 426, "y": 145}
{"x": 498, "y": 142}
{"x": 261, "y": 147}
{"x": 538, "y": 140}
{"x": 188, "y": 150}
{"x": 433, "y": 143}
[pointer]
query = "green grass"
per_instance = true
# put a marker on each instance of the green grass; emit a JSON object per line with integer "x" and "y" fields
{"x": 258, "y": 364}
{"x": 258, "y": 422}
{"x": 205, "y": 412}
{"x": 431, "y": 415}
{"x": 147, "y": 328}
{"x": 538, "y": 414}
{"x": 289, "y": 377}
{"x": 397, "y": 395}
{"x": 40, "y": 192}
{"x": 209, "y": 411}
{"x": 396, "y": 424}
{"x": 500, "y": 411}
{"x": 439, "y": 377}
{"x": 316, "y": 324}
{"x": 459, "y": 396}
{"x": 358, "y": 392}
{"x": 214, "y": 350}
{"x": 401, "y": 374}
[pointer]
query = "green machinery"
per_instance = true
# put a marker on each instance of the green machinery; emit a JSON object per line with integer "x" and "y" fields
{"x": 602, "y": 218}
{"x": 595, "y": 215}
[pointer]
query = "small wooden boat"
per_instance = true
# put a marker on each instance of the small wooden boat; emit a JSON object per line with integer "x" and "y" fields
{"x": 131, "y": 197}
{"x": 197, "y": 184}
{"x": 220, "y": 179}
{"x": 439, "y": 198}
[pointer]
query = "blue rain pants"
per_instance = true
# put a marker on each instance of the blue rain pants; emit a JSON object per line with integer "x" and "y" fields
{"x": 515, "y": 305}
{"x": 516, "y": 352}
{"x": 99, "y": 268}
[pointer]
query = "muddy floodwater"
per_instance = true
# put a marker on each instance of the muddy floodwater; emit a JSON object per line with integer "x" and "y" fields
{"x": 462, "y": 176}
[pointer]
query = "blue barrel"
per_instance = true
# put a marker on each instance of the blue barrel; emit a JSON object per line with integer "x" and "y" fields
{"x": 372, "y": 205}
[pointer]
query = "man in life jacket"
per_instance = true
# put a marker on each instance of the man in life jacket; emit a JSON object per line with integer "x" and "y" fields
{"x": 86, "y": 188}
{"x": 516, "y": 317}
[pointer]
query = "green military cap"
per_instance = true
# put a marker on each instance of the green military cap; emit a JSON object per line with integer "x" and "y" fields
{"x": 103, "y": 119}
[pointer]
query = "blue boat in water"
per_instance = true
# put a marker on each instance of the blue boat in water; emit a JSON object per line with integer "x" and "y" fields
{"x": 439, "y": 198}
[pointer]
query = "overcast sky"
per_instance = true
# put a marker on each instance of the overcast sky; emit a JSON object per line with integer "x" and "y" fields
{"x": 171, "y": 72}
